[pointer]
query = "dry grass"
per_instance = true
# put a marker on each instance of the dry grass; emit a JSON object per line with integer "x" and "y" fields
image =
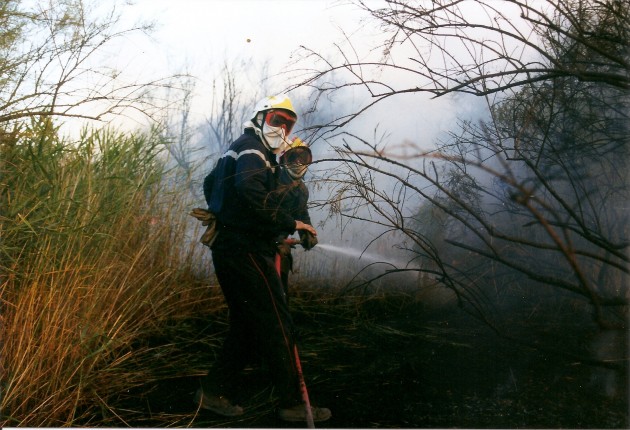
{"x": 93, "y": 259}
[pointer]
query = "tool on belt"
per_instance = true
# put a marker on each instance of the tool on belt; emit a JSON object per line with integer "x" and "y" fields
{"x": 208, "y": 219}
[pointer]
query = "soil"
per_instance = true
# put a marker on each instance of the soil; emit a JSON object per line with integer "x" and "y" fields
{"x": 388, "y": 362}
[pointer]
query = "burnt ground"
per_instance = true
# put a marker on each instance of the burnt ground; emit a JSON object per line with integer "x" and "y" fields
{"x": 388, "y": 362}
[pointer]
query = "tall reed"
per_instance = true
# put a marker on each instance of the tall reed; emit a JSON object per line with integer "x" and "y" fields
{"x": 93, "y": 258}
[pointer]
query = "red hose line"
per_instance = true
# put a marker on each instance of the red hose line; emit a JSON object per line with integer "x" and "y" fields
{"x": 298, "y": 366}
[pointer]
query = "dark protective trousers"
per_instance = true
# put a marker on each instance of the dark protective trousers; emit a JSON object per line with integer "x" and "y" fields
{"x": 260, "y": 324}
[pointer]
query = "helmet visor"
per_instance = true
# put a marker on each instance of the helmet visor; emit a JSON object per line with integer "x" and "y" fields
{"x": 300, "y": 155}
{"x": 279, "y": 118}
{"x": 296, "y": 160}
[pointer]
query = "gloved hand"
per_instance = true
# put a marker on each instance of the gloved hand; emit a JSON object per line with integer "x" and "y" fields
{"x": 308, "y": 240}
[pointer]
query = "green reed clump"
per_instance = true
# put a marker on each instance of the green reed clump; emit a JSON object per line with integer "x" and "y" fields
{"x": 93, "y": 257}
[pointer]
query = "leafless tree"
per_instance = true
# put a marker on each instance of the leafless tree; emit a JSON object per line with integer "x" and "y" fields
{"x": 229, "y": 106}
{"x": 479, "y": 47}
{"x": 52, "y": 66}
{"x": 532, "y": 199}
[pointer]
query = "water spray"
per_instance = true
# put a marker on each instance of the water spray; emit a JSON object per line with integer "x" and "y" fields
{"x": 361, "y": 255}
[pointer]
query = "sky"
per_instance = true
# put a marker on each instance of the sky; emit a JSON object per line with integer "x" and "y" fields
{"x": 199, "y": 30}
{"x": 199, "y": 36}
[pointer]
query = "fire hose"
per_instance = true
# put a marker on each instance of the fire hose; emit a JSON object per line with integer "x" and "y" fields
{"x": 298, "y": 367}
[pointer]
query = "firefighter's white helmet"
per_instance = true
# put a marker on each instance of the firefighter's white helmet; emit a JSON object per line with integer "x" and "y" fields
{"x": 274, "y": 118}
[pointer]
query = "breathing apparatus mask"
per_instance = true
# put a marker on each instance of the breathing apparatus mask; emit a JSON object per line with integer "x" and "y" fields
{"x": 296, "y": 159}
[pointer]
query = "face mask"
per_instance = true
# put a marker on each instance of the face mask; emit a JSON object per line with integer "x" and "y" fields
{"x": 274, "y": 137}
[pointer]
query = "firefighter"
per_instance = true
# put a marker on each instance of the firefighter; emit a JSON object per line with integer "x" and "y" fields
{"x": 293, "y": 196}
{"x": 240, "y": 193}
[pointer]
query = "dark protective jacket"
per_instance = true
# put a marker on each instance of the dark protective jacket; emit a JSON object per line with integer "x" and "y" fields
{"x": 293, "y": 196}
{"x": 240, "y": 192}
